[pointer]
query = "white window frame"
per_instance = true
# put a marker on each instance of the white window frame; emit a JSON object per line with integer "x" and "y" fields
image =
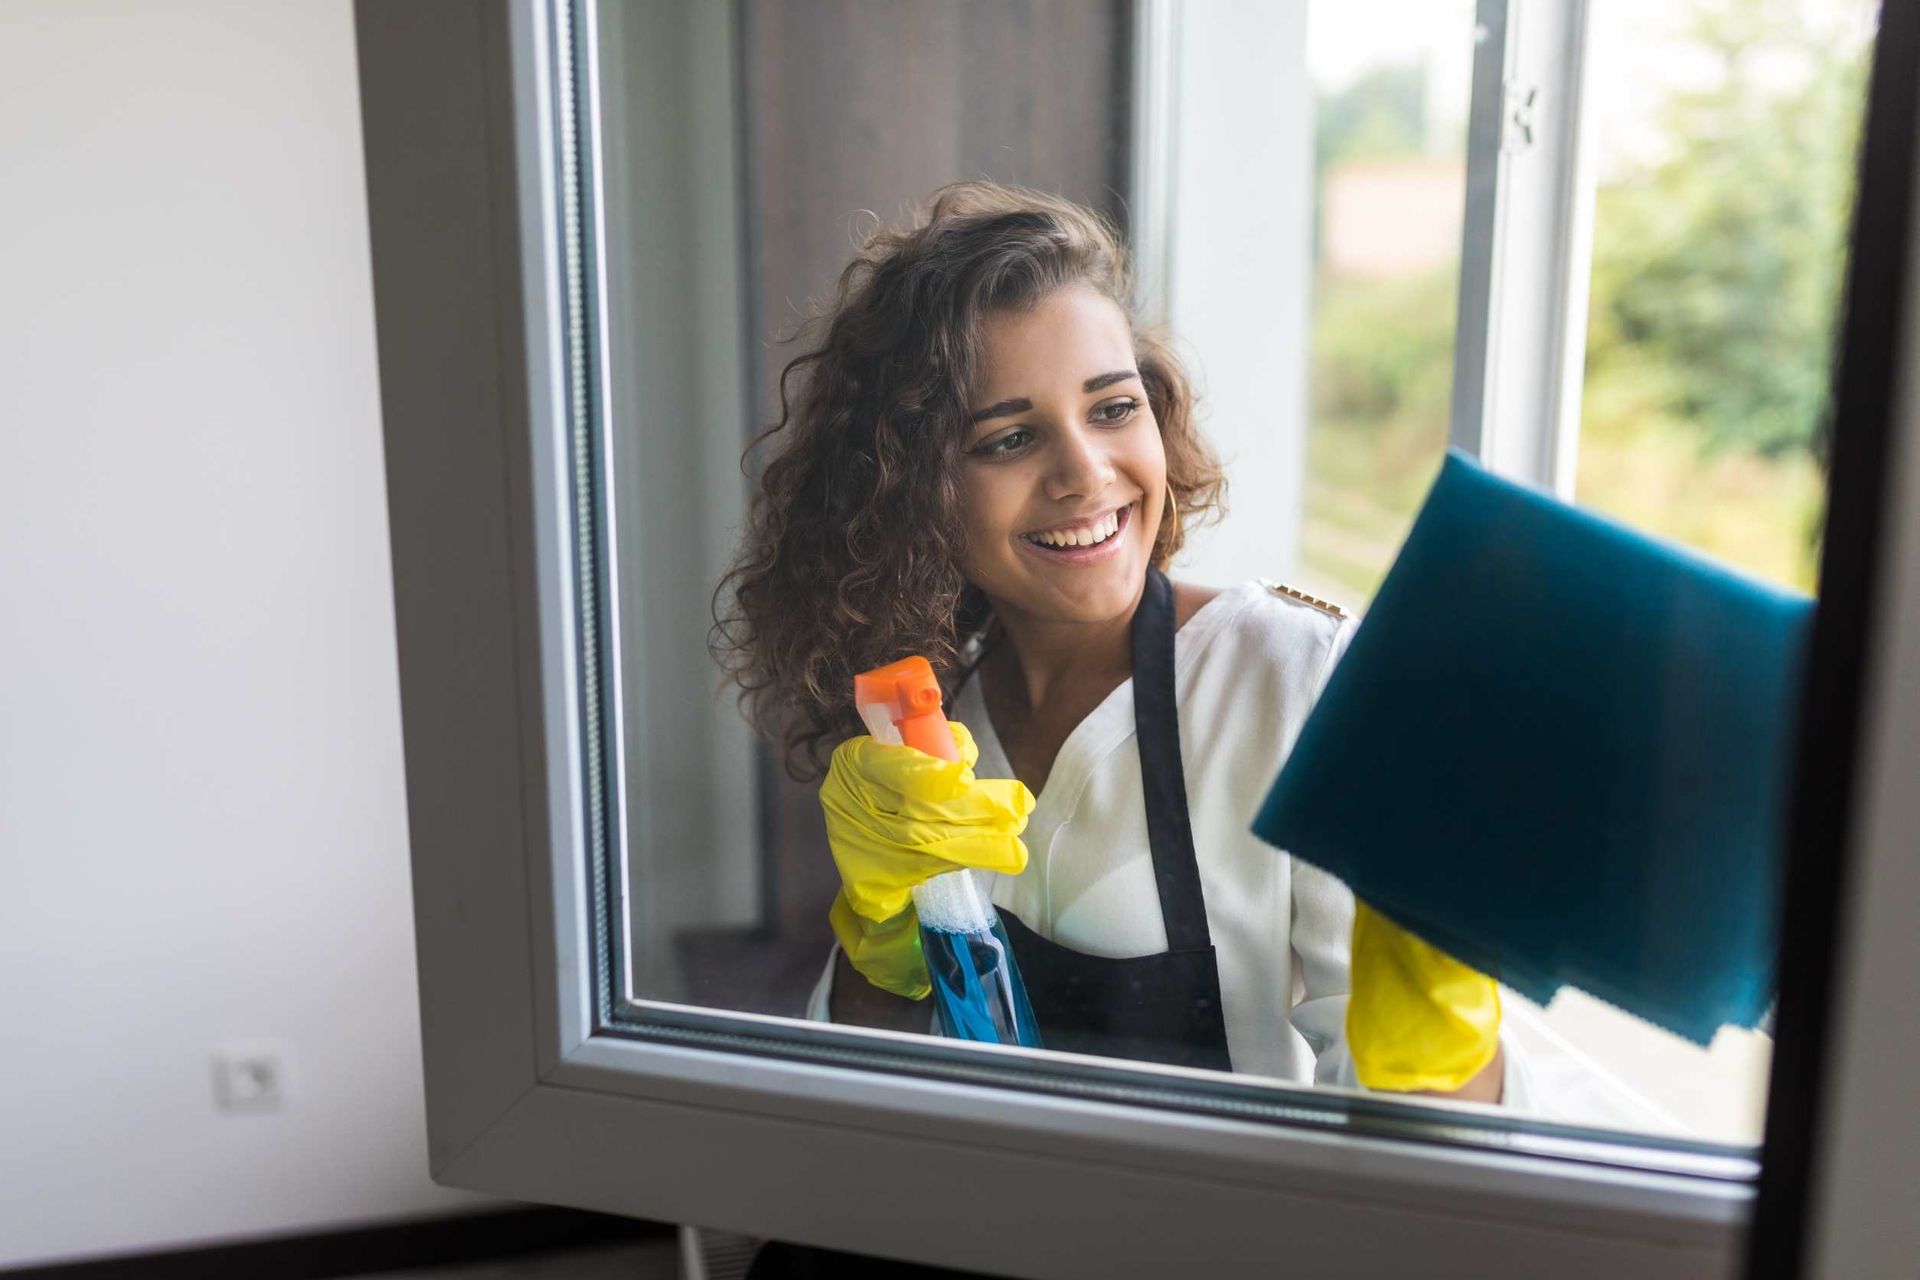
{"x": 528, "y": 1096}
{"x": 1526, "y": 244}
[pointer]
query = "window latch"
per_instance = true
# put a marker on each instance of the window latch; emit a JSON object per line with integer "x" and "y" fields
{"x": 1518, "y": 103}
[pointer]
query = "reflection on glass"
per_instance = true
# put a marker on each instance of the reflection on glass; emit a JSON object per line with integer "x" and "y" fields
{"x": 991, "y": 443}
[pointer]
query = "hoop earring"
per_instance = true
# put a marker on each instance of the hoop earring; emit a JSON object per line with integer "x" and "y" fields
{"x": 1173, "y": 506}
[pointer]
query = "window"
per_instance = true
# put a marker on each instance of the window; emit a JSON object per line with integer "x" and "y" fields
{"x": 1724, "y": 137}
{"x": 1711, "y": 170}
{"x": 1391, "y": 89}
{"x": 615, "y": 889}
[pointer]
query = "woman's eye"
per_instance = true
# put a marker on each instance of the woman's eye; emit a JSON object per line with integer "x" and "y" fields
{"x": 1116, "y": 411}
{"x": 1007, "y": 443}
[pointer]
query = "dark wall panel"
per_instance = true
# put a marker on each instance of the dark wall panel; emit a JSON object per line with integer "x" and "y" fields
{"x": 855, "y": 105}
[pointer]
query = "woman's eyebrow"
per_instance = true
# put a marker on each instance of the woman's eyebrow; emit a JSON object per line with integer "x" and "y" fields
{"x": 1020, "y": 404}
{"x": 1108, "y": 379}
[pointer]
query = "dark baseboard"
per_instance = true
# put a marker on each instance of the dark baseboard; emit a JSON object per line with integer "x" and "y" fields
{"x": 427, "y": 1242}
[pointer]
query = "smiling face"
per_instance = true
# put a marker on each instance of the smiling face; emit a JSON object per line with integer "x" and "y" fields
{"x": 1063, "y": 474}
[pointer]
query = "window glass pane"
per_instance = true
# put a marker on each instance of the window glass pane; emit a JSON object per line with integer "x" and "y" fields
{"x": 855, "y": 414}
{"x": 1725, "y": 136}
{"x": 1391, "y": 83}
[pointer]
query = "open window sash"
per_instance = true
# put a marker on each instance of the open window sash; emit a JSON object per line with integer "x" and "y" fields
{"x": 479, "y": 122}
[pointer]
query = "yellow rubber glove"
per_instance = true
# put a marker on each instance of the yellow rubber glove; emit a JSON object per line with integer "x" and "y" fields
{"x": 897, "y": 817}
{"x": 1418, "y": 1018}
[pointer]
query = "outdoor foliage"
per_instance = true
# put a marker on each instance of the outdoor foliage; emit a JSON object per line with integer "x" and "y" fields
{"x": 1716, "y": 280}
{"x": 1383, "y": 113}
{"x": 1717, "y": 268}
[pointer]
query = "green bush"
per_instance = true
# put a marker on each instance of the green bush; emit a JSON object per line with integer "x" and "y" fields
{"x": 1713, "y": 310}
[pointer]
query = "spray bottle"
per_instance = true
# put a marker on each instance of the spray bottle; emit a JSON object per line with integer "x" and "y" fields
{"x": 977, "y": 991}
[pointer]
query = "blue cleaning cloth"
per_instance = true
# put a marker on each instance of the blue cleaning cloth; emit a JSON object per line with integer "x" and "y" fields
{"x": 1559, "y": 750}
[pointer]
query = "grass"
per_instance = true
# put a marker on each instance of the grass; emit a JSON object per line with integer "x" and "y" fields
{"x": 1757, "y": 513}
{"x": 1365, "y": 481}
{"x": 1366, "y": 478}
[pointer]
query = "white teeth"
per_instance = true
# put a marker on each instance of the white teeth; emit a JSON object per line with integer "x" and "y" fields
{"x": 1083, "y": 537}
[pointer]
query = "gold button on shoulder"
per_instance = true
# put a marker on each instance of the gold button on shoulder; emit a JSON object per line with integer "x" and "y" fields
{"x": 1324, "y": 606}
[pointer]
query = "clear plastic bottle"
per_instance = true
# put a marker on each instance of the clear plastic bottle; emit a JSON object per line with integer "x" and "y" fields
{"x": 977, "y": 991}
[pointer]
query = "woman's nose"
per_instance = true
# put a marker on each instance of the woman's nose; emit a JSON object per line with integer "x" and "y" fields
{"x": 1081, "y": 465}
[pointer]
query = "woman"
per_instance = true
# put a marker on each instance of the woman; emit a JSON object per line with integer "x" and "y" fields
{"x": 990, "y": 463}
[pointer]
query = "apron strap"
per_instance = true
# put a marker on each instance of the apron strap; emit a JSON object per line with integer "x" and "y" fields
{"x": 1163, "y": 781}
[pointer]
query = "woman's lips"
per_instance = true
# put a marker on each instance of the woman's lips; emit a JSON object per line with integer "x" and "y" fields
{"x": 1082, "y": 555}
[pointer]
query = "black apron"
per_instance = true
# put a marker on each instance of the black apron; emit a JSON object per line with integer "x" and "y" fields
{"x": 1163, "y": 1008}
{"x": 1160, "y": 1008}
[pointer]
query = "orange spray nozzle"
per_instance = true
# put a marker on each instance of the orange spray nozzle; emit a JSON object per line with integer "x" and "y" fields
{"x": 904, "y": 696}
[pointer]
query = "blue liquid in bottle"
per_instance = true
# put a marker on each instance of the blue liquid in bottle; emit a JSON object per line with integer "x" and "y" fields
{"x": 977, "y": 992}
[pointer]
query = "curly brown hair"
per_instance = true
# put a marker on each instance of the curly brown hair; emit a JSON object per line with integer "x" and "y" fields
{"x": 873, "y": 419}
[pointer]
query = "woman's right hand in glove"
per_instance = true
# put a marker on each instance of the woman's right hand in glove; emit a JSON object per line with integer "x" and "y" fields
{"x": 897, "y": 817}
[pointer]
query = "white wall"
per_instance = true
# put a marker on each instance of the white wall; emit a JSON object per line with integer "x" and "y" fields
{"x": 202, "y": 823}
{"x": 1239, "y": 268}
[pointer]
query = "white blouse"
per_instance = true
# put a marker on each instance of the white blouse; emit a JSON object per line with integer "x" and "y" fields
{"x": 1248, "y": 666}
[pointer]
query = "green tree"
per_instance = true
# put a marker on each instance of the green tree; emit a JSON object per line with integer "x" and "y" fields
{"x": 1717, "y": 267}
{"x": 1382, "y": 113}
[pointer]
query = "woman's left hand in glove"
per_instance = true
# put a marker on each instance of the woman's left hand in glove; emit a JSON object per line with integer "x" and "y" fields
{"x": 1417, "y": 1019}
